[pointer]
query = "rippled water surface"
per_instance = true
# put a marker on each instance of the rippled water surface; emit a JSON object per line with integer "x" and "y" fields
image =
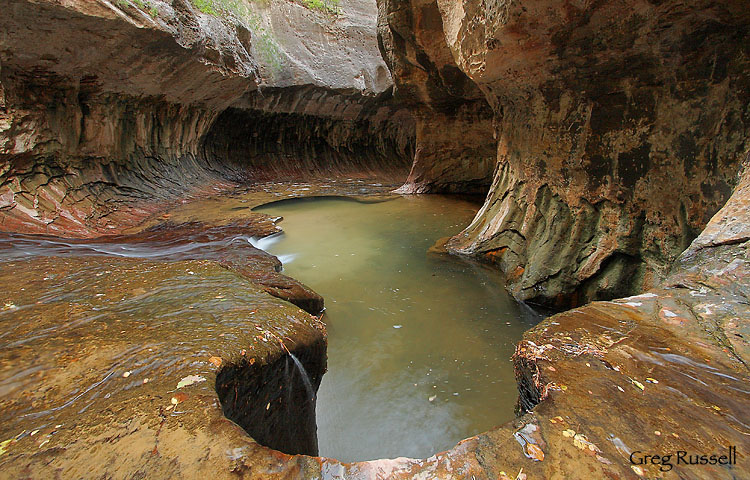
{"x": 419, "y": 344}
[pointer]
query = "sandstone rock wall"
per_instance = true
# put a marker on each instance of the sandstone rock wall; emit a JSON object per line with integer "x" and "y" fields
{"x": 371, "y": 140}
{"x": 105, "y": 108}
{"x": 455, "y": 147}
{"x": 71, "y": 159}
{"x": 619, "y": 128}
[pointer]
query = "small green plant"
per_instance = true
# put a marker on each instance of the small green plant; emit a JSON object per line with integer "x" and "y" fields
{"x": 206, "y": 6}
{"x": 329, "y": 6}
{"x": 264, "y": 44}
{"x": 139, "y": 4}
{"x": 123, "y": 3}
{"x": 153, "y": 12}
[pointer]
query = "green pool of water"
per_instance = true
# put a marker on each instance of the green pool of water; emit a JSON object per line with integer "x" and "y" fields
{"x": 419, "y": 344}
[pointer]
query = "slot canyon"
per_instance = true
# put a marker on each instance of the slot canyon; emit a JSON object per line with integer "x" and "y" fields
{"x": 375, "y": 239}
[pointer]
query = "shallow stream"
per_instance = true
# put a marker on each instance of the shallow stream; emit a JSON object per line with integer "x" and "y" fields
{"x": 419, "y": 344}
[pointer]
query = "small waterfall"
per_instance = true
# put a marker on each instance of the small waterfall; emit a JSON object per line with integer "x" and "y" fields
{"x": 264, "y": 242}
{"x": 305, "y": 378}
{"x": 288, "y": 378}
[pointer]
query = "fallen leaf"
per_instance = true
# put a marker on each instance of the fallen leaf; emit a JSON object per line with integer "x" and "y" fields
{"x": 657, "y": 433}
{"x": 620, "y": 388}
{"x": 652, "y": 380}
{"x": 189, "y": 380}
{"x": 568, "y": 433}
{"x": 583, "y": 443}
{"x": 179, "y": 398}
{"x": 580, "y": 441}
{"x": 126, "y": 375}
{"x": 216, "y": 361}
{"x": 638, "y": 470}
{"x": 503, "y": 476}
{"x": 4, "y": 444}
{"x": 638, "y": 384}
{"x": 534, "y": 452}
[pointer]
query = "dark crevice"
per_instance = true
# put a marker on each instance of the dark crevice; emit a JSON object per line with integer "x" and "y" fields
{"x": 270, "y": 399}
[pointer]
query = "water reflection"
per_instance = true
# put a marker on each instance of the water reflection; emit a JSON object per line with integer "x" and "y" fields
{"x": 419, "y": 345}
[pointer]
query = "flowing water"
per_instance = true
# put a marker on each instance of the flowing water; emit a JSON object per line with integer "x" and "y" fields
{"x": 305, "y": 377}
{"x": 419, "y": 344}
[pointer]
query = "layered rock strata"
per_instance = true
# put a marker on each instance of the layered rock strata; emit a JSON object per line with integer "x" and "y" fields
{"x": 104, "y": 118}
{"x": 618, "y": 129}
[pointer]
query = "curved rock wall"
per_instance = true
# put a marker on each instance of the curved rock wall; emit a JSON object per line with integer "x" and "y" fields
{"x": 262, "y": 146}
{"x": 104, "y": 118}
{"x": 455, "y": 147}
{"x": 71, "y": 158}
{"x": 619, "y": 127}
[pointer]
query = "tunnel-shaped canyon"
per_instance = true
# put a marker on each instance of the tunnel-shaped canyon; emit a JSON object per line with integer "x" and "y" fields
{"x": 143, "y": 143}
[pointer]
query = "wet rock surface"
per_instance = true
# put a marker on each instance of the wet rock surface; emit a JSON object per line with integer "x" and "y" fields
{"x": 228, "y": 245}
{"x": 110, "y": 366}
{"x": 659, "y": 373}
